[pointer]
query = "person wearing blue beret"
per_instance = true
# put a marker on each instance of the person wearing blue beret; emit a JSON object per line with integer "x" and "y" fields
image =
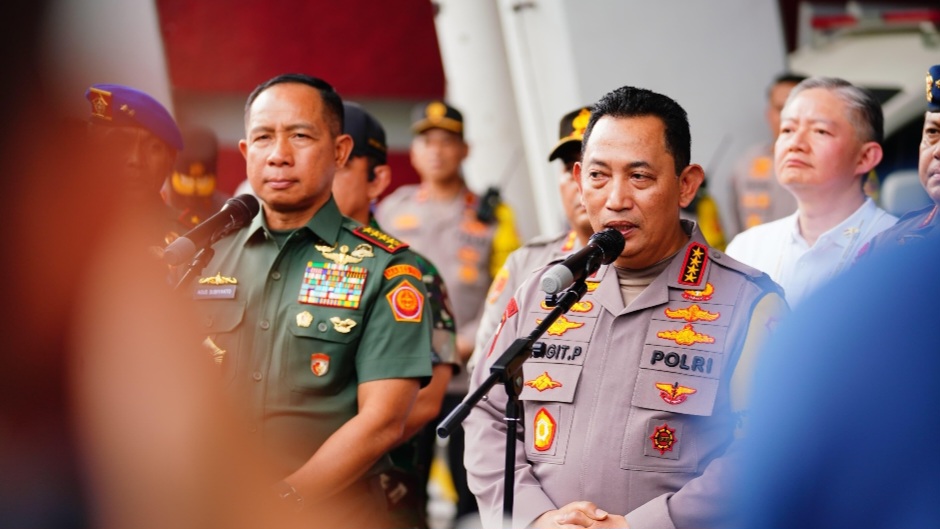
{"x": 138, "y": 141}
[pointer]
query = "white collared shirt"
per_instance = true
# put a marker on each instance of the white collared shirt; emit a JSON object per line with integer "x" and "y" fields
{"x": 778, "y": 249}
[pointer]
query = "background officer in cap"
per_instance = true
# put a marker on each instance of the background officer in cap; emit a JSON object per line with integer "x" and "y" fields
{"x": 140, "y": 140}
{"x": 441, "y": 218}
{"x": 629, "y": 416}
{"x": 758, "y": 197}
{"x": 356, "y": 187}
{"x": 192, "y": 188}
{"x": 541, "y": 250}
{"x": 317, "y": 323}
{"x": 923, "y": 224}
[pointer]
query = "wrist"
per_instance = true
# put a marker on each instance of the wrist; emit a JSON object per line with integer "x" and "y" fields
{"x": 289, "y": 495}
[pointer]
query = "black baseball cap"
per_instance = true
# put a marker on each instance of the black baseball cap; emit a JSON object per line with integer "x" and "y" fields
{"x": 367, "y": 133}
{"x": 436, "y": 115}
{"x": 571, "y": 131}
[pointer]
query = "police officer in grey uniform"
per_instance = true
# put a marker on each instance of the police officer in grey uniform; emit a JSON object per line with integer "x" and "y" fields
{"x": 923, "y": 224}
{"x": 541, "y": 250}
{"x": 628, "y": 416}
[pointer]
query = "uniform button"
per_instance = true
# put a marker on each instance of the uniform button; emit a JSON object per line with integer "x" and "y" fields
{"x": 265, "y": 325}
{"x": 322, "y": 326}
{"x": 716, "y": 254}
{"x": 256, "y": 375}
{"x": 275, "y": 275}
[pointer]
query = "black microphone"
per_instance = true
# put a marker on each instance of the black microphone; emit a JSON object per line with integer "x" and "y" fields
{"x": 603, "y": 247}
{"x": 235, "y": 214}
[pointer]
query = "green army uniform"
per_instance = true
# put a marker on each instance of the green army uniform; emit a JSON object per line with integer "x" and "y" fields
{"x": 295, "y": 329}
{"x": 406, "y": 484}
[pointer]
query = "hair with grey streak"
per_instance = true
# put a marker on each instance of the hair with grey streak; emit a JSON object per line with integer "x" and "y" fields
{"x": 864, "y": 110}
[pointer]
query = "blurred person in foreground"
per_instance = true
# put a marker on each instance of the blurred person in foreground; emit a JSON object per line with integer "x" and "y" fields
{"x": 356, "y": 187}
{"x": 317, "y": 328}
{"x": 855, "y": 446}
{"x": 541, "y": 250}
{"x": 629, "y": 416}
{"x": 758, "y": 196}
{"x": 830, "y": 138}
{"x": 924, "y": 224}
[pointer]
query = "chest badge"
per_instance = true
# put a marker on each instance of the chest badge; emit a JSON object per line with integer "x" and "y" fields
{"x": 699, "y": 295}
{"x": 674, "y": 393}
{"x": 304, "y": 319}
{"x": 691, "y": 314}
{"x": 664, "y": 438}
{"x": 561, "y": 326}
{"x": 343, "y": 326}
{"x": 686, "y": 336}
{"x": 344, "y": 256}
{"x": 545, "y": 427}
{"x": 543, "y": 382}
{"x": 218, "y": 279}
{"x": 319, "y": 364}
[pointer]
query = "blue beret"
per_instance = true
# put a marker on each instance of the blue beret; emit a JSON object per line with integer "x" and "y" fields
{"x": 933, "y": 88}
{"x": 122, "y": 105}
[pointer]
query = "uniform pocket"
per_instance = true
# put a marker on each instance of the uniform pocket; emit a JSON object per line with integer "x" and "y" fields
{"x": 321, "y": 351}
{"x": 222, "y": 320}
{"x": 547, "y": 393}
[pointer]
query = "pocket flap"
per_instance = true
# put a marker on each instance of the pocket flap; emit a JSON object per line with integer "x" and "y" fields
{"x": 549, "y": 381}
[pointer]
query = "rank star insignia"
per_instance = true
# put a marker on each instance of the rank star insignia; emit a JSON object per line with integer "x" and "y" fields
{"x": 693, "y": 267}
{"x": 343, "y": 326}
{"x": 674, "y": 393}
{"x": 561, "y": 326}
{"x": 579, "y": 306}
{"x": 218, "y": 279}
{"x": 699, "y": 295}
{"x": 319, "y": 364}
{"x": 344, "y": 256}
{"x": 663, "y": 438}
{"x": 686, "y": 336}
{"x": 304, "y": 319}
{"x": 544, "y": 430}
{"x": 543, "y": 382}
{"x": 690, "y": 314}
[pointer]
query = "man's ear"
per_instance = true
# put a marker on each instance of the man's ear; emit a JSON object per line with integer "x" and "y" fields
{"x": 869, "y": 157}
{"x": 343, "y": 147}
{"x": 243, "y": 148}
{"x": 383, "y": 178}
{"x": 689, "y": 182}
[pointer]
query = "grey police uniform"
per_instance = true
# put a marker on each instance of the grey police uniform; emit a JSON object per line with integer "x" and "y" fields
{"x": 631, "y": 408}
{"x": 518, "y": 267}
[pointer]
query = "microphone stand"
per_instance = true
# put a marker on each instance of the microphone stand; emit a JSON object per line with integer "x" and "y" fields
{"x": 199, "y": 262}
{"x": 507, "y": 370}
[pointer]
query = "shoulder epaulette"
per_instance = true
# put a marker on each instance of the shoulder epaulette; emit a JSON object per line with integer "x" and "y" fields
{"x": 754, "y": 275}
{"x": 379, "y": 238}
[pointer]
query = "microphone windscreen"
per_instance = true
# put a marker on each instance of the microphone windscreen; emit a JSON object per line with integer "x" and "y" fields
{"x": 611, "y": 242}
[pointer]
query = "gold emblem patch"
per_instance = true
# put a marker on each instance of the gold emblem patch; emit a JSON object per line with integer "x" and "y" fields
{"x": 304, "y": 319}
{"x": 343, "y": 326}
{"x": 691, "y": 314}
{"x": 686, "y": 336}
{"x": 561, "y": 326}
{"x": 544, "y": 430}
{"x": 699, "y": 295}
{"x": 344, "y": 256}
{"x": 218, "y": 279}
{"x": 543, "y": 382}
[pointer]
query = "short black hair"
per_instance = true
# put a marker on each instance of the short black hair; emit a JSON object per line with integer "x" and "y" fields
{"x": 631, "y": 102}
{"x": 332, "y": 102}
{"x": 786, "y": 78}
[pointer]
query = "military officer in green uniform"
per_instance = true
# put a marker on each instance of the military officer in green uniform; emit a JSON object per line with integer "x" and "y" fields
{"x": 356, "y": 187}
{"x": 320, "y": 325}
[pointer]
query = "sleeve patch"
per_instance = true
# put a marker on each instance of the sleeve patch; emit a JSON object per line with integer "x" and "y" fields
{"x": 407, "y": 302}
{"x": 402, "y": 270}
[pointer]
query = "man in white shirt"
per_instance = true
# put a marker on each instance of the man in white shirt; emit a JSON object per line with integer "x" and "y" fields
{"x": 830, "y": 135}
